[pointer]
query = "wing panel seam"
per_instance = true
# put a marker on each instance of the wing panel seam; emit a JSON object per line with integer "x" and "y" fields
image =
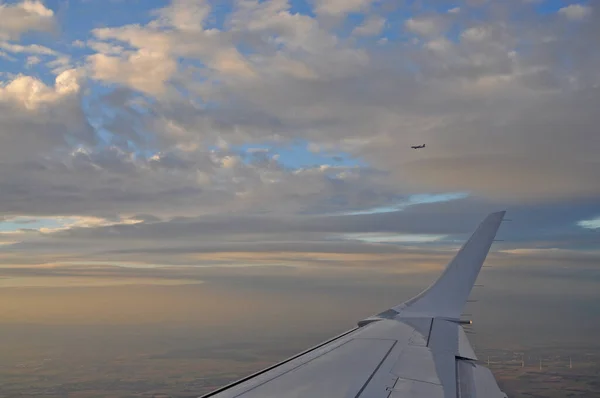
{"x": 430, "y": 330}
{"x": 376, "y": 369}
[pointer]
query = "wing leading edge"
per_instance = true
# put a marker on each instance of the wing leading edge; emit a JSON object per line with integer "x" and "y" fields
{"x": 416, "y": 349}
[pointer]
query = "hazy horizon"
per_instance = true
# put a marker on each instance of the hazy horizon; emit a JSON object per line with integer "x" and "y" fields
{"x": 158, "y": 337}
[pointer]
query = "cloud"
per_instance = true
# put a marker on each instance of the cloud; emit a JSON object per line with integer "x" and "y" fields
{"x": 59, "y": 62}
{"x": 261, "y": 239}
{"x": 36, "y": 120}
{"x": 32, "y": 93}
{"x": 28, "y": 15}
{"x": 28, "y": 49}
{"x": 231, "y": 62}
{"x": 424, "y": 26}
{"x": 115, "y": 181}
{"x": 178, "y": 32}
{"x": 58, "y": 282}
{"x": 340, "y": 7}
{"x": 439, "y": 45}
{"x": 475, "y": 34}
{"x": 186, "y": 15}
{"x": 78, "y": 43}
{"x": 370, "y": 27}
{"x": 575, "y": 12}
{"x": 300, "y": 41}
{"x": 143, "y": 70}
{"x": 590, "y": 224}
{"x": 33, "y": 60}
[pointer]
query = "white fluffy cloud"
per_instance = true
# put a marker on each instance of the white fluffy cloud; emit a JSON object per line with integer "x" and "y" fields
{"x": 142, "y": 70}
{"x": 24, "y": 16}
{"x": 31, "y": 93}
{"x": 575, "y": 11}
{"x": 278, "y": 43}
{"x": 341, "y": 7}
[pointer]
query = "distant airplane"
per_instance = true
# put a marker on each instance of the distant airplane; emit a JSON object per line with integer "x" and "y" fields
{"x": 415, "y": 349}
{"x": 418, "y": 146}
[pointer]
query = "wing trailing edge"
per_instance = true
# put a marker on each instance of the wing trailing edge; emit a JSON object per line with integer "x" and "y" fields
{"x": 447, "y": 296}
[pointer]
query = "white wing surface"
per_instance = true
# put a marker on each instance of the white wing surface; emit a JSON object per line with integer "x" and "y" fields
{"x": 416, "y": 349}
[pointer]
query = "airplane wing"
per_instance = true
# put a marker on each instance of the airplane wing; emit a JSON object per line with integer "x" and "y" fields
{"x": 417, "y": 349}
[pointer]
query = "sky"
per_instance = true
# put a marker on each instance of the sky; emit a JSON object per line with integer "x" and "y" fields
{"x": 195, "y": 132}
{"x": 257, "y": 155}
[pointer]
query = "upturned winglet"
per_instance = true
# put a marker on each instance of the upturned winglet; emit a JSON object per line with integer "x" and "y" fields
{"x": 447, "y": 296}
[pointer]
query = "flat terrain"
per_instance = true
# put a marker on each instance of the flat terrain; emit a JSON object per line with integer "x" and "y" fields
{"x": 183, "y": 341}
{"x": 83, "y": 368}
{"x": 555, "y": 379}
